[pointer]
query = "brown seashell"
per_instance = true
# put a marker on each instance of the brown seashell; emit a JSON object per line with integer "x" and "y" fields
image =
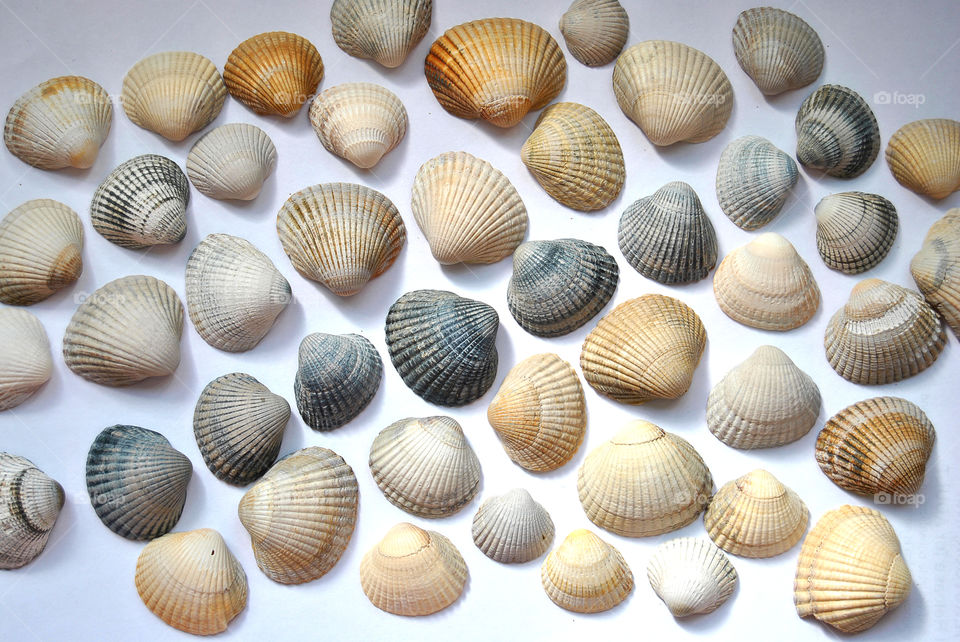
{"x": 924, "y": 156}
{"x": 936, "y": 268}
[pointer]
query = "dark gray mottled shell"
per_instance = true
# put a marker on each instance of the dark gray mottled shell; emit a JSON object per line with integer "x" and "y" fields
{"x": 855, "y": 230}
{"x": 753, "y": 180}
{"x": 837, "y": 132}
{"x": 30, "y": 503}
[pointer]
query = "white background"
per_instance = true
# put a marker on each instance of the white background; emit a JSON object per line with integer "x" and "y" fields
{"x": 82, "y": 586}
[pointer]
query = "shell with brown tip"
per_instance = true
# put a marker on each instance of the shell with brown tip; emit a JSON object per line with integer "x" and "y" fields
{"x": 25, "y": 364}
{"x": 232, "y": 162}
{"x": 691, "y": 575}
{"x": 595, "y": 31}
{"x": 837, "y": 132}
{"x": 778, "y": 50}
{"x": 30, "y": 503}
{"x": 936, "y": 268}
{"x": 855, "y": 230}
{"x": 754, "y": 178}
{"x": 512, "y": 528}
{"x": 924, "y": 156}
{"x": 385, "y": 31}
{"x": 586, "y": 574}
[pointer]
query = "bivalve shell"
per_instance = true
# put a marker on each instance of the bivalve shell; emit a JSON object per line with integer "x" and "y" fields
{"x": 512, "y": 528}
{"x": 231, "y": 162}
{"x": 691, "y": 575}
{"x": 25, "y": 363}
{"x": 837, "y": 132}
{"x": 595, "y": 31}
{"x": 778, "y": 50}
{"x": 30, "y": 503}
{"x": 855, "y": 231}
{"x": 586, "y": 574}
{"x": 924, "y": 156}
{"x": 936, "y": 268}
{"x": 753, "y": 180}
{"x": 385, "y": 31}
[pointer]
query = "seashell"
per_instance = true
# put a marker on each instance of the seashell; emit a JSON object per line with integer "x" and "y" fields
{"x": 855, "y": 230}
{"x": 143, "y": 202}
{"x": 337, "y": 376}
{"x": 645, "y": 348}
{"x": 883, "y": 334}
{"x": 385, "y": 31}
{"x": 30, "y": 503}
{"x": 234, "y": 292}
{"x": 645, "y": 481}
{"x": 575, "y": 156}
{"x": 301, "y": 515}
{"x": 340, "y": 234}
{"x": 691, "y": 575}
{"x": 497, "y": 69}
{"x": 936, "y": 268}
{"x": 668, "y": 237}
{"x": 586, "y": 574}
{"x": 359, "y": 121}
{"x": 125, "y": 332}
{"x": 924, "y": 156}
{"x": 425, "y": 466}
{"x": 413, "y": 572}
{"x": 673, "y": 92}
{"x": 231, "y": 162}
{"x": 238, "y": 424}
{"x": 877, "y": 446}
{"x": 137, "y": 481}
{"x": 837, "y": 132}
{"x": 62, "y": 122}
{"x": 468, "y": 210}
{"x": 753, "y": 180}
{"x": 756, "y": 516}
{"x": 595, "y": 31}
{"x": 778, "y": 50}
{"x": 764, "y": 402}
{"x": 173, "y": 93}
{"x": 187, "y": 587}
{"x": 443, "y": 346}
{"x": 558, "y": 286}
{"x": 766, "y": 285}
{"x": 850, "y": 571}
{"x": 539, "y": 413}
{"x": 25, "y": 362}
{"x": 512, "y": 528}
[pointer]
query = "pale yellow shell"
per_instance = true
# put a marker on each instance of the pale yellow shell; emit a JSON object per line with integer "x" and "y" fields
{"x": 586, "y": 574}
{"x": 924, "y": 156}
{"x": 936, "y": 268}
{"x": 25, "y": 363}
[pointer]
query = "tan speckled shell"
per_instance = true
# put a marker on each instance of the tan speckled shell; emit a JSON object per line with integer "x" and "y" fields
{"x": 595, "y": 31}
{"x": 586, "y": 574}
{"x": 25, "y": 363}
{"x": 936, "y": 268}
{"x": 382, "y": 30}
{"x": 778, "y": 50}
{"x": 924, "y": 156}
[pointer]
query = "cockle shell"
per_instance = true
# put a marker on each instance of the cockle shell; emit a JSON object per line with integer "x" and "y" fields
{"x": 173, "y": 93}
{"x": 443, "y": 346}
{"x": 125, "y": 332}
{"x": 341, "y": 234}
{"x": 778, "y": 50}
{"x": 301, "y": 515}
{"x": 575, "y": 156}
{"x": 385, "y": 31}
{"x": 936, "y": 268}
{"x": 837, "y": 132}
{"x": 234, "y": 292}
{"x": 883, "y": 334}
{"x": 62, "y": 122}
{"x": 644, "y": 481}
{"x": 192, "y": 581}
{"x": 539, "y": 413}
{"x": 142, "y": 202}
{"x": 25, "y": 362}
{"x": 924, "y": 156}
{"x": 691, "y": 575}
{"x": 645, "y": 348}
{"x": 850, "y": 571}
{"x": 558, "y": 286}
{"x": 595, "y": 31}
{"x": 586, "y": 574}
{"x": 232, "y": 162}
{"x": 753, "y": 180}
{"x": 855, "y": 230}
{"x": 30, "y": 503}
{"x": 137, "y": 481}
{"x": 673, "y": 92}
{"x": 512, "y": 528}
{"x": 765, "y": 284}
{"x": 497, "y": 69}
{"x": 337, "y": 376}
{"x": 765, "y": 401}
{"x": 413, "y": 572}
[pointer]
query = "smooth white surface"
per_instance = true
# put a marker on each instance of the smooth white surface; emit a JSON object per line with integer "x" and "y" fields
{"x": 82, "y": 585}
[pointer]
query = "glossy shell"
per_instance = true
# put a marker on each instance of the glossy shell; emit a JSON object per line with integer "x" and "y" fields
{"x": 512, "y": 528}
{"x": 778, "y": 50}
{"x": 837, "y": 132}
{"x": 30, "y": 503}
{"x": 232, "y": 162}
{"x": 924, "y": 156}
{"x": 586, "y": 574}
{"x": 754, "y": 179}
{"x": 855, "y": 231}
{"x": 595, "y": 31}
{"x": 25, "y": 362}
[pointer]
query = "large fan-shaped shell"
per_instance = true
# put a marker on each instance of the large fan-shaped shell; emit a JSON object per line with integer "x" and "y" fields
{"x": 382, "y": 30}
{"x": 855, "y": 231}
{"x": 753, "y": 180}
{"x": 691, "y": 575}
{"x": 595, "y": 31}
{"x": 30, "y": 503}
{"x": 232, "y": 162}
{"x": 359, "y": 121}
{"x": 586, "y": 574}
{"x": 837, "y": 132}
{"x": 778, "y": 50}
{"x": 936, "y": 268}
{"x": 512, "y": 528}
{"x": 25, "y": 361}
{"x": 924, "y": 156}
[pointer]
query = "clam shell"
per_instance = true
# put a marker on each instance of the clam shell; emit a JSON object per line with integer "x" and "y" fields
{"x": 753, "y": 180}
{"x": 512, "y": 528}
{"x": 62, "y": 122}
{"x": 644, "y": 481}
{"x": 137, "y": 481}
{"x": 837, "y": 132}
{"x": 778, "y": 50}
{"x": 586, "y": 574}
{"x": 595, "y": 31}
{"x": 924, "y": 156}
{"x": 855, "y": 231}
{"x": 30, "y": 503}
{"x": 691, "y": 575}
{"x": 425, "y": 466}
{"x": 25, "y": 362}
{"x": 385, "y": 31}
{"x": 301, "y": 515}
{"x": 497, "y": 69}
{"x": 936, "y": 268}
{"x": 232, "y": 162}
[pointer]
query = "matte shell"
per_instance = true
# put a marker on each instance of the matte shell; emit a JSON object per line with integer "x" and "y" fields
{"x": 512, "y": 528}
{"x": 25, "y": 361}
{"x": 855, "y": 231}
{"x": 936, "y": 268}
{"x": 754, "y": 178}
{"x": 778, "y": 50}
{"x": 924, "y": 156}
{"x": 595, "y": 31}
{"x": 30, "y": 503}
{"x": 837, "y": 132}
{"x": 691, "y": 575}
{"x": 385, "y": 31}
{"x": 586, "y": 574}
{"x": 232, "y": 162}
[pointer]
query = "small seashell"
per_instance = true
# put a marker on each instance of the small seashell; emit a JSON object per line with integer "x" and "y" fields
{"x": 645, "y": 481}
{"x": 883, "y": 334}
{"x": 443, "y": 346}
{"x": 924, "y": 156}
{"x": 413, "y": 572}
{"x": 595, "y": 31}
{"x": 673, "y": 92}
{"x": 25, "y": 362}
{"x": 668, "y": 237}
{"x": 753, "y": 180}
{"x": 385, "y": 31}
{"x": 837, "y": 132}
{"x": 646, "y": 348}
{"x": 936, "y": 268}
{"x": 173, "y": 93}
{"x": 850, "y": 571}
{"x": 137, "y": 481}
{"x": 586, "y": 574}
{"x": 512, "y": 528}
{"x": 231, "y": 162}
{"x": 62, "y": 122}
{"x": 187, "y": 587}
{"x": 125, "y": 332}
{"x": 301, "y": 515}
{"x": 30, "y": 503}
{"x": 337, "y": 376}
{"x": 143, "y": 202}
{"x": 425, "y": 466}
{"x": 558, "y": 286}
{"x": 497, "y": 69}
{"x": 855, "y": 230}
{"x": 340, "y": 234}
{"x": 691, "y": 575}
{"x": 778, "y": 50}
{"x": 765, "y": 284}
{"x": 575, "y": 156}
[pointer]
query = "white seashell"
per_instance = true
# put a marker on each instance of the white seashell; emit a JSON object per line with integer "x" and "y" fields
{"x": 595, "y": 30}
{"x": 25, "y": 361}
{"x": 382, "y": 30}
{"x": 30, "y": 503}
{"x": 231, "y": 162}
{"x": 512, "y": 528}
{"x": 691, "y": 575}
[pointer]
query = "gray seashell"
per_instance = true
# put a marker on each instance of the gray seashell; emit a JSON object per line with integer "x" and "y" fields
{"x": 595, "y": 31}
{"x": 385, "y": 31}
{"x": 855, "y": 230}
{"x": 778, "y": 50}
{"x": 512, "y": 528}
{"x": 232, "y": 162}
{"x": 753, "y": 180}
{"x": 25, "y": 361}
{"x": 30, "y": 503}
{"x": 691, "y": 575}
{"x": 837, "y": 132}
